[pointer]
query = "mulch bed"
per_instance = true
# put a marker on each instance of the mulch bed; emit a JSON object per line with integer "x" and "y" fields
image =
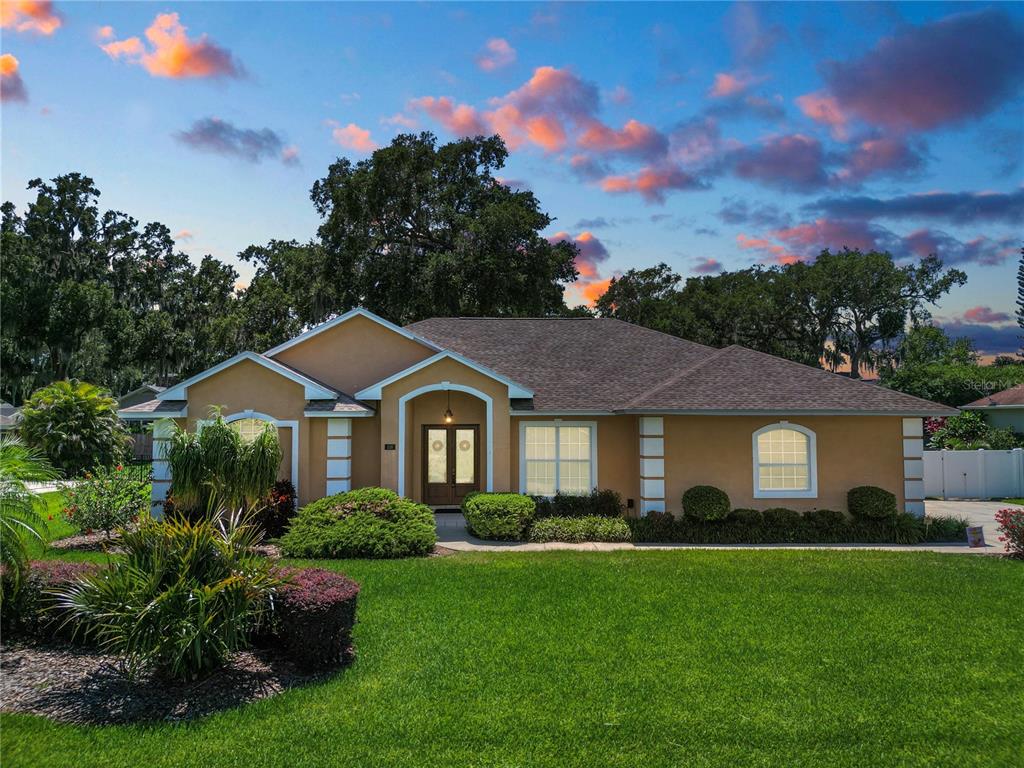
{"x": 87, "y": 542}
{"x": 73, "y": 684}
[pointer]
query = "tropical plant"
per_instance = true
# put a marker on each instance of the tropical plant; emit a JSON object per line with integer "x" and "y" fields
{"x": 19, "y": 515}
{"x": 184, "y": 596}
{"x": 75, "y": 425}
{"x": 968, "y": 431}
{"x": 216, "y": 467}
{"x": 106, "y": 499}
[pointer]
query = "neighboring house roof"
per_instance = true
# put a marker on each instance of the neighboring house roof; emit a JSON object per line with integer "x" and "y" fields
{"x": 9, "y": 416}
{"x": 153, "y": 409}
{"x": 1008, "y": 398}
{"x": 139, "y": 395}
{"x": 586, "y": 364}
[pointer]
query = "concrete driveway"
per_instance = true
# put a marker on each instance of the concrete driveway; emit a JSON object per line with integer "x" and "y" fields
{"x": 981, "y": 513}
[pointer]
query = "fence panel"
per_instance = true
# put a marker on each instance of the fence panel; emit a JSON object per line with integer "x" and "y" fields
{"x": 973, "y": 474}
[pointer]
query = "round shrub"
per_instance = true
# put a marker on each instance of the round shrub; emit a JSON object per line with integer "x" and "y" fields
{"x": 871, "y": 502}
{"x": 579, "y": 529}
{"x": 313, "y": 615}
{"x": 368, "y": 522}
{"x": 498, "y": 516}
{"x": 781, "y": 517}
{"x": 705, "y": 502}
{"x": 746, "y": 517}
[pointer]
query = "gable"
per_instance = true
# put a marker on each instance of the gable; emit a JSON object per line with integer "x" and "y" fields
{"x": 311, "y": 389}
{"x": 353, "y": 351}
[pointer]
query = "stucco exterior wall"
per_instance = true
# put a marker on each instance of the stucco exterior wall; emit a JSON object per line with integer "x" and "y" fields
{"x": 718, "y": 450}
{"x": 354, "y": 354}
{"x": 1001, "y": 418}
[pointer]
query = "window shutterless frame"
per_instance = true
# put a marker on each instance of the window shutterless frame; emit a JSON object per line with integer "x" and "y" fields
{"x": 556, "y": 424}
{"x": 811, "y": 492}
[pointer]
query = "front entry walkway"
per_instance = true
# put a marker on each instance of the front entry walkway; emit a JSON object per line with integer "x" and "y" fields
{"x": 452, "y": 534}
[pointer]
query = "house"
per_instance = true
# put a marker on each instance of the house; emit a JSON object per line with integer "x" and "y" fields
{"x": 1002, "y": 409}
{"x": 140, "y": 428}
{"x": 447, "y": 406}
{"x": 139, "y": 395}
{"x": 9, "y": 416}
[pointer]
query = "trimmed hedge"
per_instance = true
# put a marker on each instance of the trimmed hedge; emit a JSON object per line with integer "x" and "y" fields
{"x": 498, "y": 516}
{"x": 705, "y": 502}
{"x": 367, "y": 522}
{"x": 33, "y": 611}
{"x": 600, "y": 502}
{"x": 787, "y": 526}
{"x": 314, "y": 612}
{"x": 579, "y": 529}
{"x": 871, "y": 502}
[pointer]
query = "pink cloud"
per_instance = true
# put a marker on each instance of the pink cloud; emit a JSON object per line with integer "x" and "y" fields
{"x": 184, "y": 235}
{"x": 170, "y": 53}
{"x": 290, "y": 155}
{"x": 497, "y": 54}
{"x": 727, "y": 84}
{"x": 775, "y": 251}
{"x": 11, "y": 86}
{"x": 35, "y": 16}
{"x": 592, "y": 253}
{"x": 823, "y": 108}
{"x": 985, "y": 315}
{"x": 707, "y": 266}
{"x": 460, "y": 119}
{"x": 353, "y": 137}
{"x": 651, "y": 182}
{"x": 635, "y": 138}
{"x": 620, "y": 95}
{"x": 890, "y": 155}
{"x": 105, "y": 32}
{"x": 400, "y": 119}
{"x": 794, "y": 162}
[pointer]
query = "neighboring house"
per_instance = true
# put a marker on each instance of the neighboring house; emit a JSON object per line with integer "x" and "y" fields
{"x": 139, "y": 395}
{"x": 447, "y": 406}
{"x": 9, "y": 416}
{"x": 1002, "y": 409}
{"x": 142, "y": 433}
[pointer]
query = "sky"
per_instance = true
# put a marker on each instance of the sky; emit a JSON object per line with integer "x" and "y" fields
{"x": 707, "y": 136}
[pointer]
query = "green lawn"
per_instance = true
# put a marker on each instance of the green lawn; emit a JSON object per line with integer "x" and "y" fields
{"x": 57, "y": 527}
{"x": 671, "y": 658}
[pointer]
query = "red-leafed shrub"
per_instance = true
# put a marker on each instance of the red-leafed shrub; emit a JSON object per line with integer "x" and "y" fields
{"x": 279, "y": 509}
{"x": 1011, "y": 528}
{"x": 33, "y": 610}
{"x": 314, "y": 612}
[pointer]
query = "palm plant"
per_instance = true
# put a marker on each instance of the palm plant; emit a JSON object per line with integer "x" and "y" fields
{"x": 19, "y": 516}
{"x": 216, "y": 468}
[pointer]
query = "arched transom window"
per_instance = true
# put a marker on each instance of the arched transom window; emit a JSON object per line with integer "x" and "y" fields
{"x": 250, "y": 428}
{"x": 785, "y": 464}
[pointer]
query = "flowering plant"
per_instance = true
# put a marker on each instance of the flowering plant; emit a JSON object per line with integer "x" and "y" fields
{"x": 1011, "y": 526}
{"x": 105, "y": 499}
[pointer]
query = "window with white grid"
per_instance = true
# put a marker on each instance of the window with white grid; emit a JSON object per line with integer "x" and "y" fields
{"x": 784, "y": 462}
{"x": 249, "y": 429}
{"x": 557, "y": 458}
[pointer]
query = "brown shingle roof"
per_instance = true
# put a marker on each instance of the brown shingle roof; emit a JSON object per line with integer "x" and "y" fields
{"x": 155, "y": 407}
{"x": 1012, "y": 396}
{"x": 583, "y": 364}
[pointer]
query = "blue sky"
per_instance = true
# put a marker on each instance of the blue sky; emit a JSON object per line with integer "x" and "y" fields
{"x": 708, "y": 136}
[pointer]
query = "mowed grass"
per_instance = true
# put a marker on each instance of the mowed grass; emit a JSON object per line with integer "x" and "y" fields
{"x": 670, "y": 658}
{"x": 51, "y": 510}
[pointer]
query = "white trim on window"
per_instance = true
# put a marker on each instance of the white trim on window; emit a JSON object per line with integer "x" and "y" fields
{"x": 811, "y": 492}
{"x": 591, "y": 425}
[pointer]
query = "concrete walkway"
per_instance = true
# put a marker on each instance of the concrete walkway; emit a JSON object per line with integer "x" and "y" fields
{"x": 452, "y": 534}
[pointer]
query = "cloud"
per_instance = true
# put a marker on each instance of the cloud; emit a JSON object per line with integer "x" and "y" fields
{"x": 600, "y": 222}
{"x": 986, "y": 315}
{"x": 748, "y": 105}
{"x": 824, "y": 109}
{"x": 652, "y": 182}
{"x": 751, "y": 39}
{"x": 172, "y": 54}
{"x": 954, "y": 207}
{"x": 707, "y": 266}
{"x": 497, "y": 54}
{"x": 982, "y": 250}
{"x": 11, "y": 86}
{"x": 988, "y": 339}
{"x": 353, "y": 137}
{"x": 620, "y": 95}
{"x": 290, "y": 155}
{"x": 793, "y": 162}
{"x": 105, "y": 32}
{"x": 399, "y": 119}
{"x": 592, "y": 254}
{"x": 760, "y": 215}
{"x": 635, "y": 139}
{"x": 516, "y": 185}
{"x": 211, "y": 134}
{"x": 460, "y": 119}
{"x": 886, "y": 156}
{"x": 729, "y": 84}
{"x": 184, "y": 235}
{"x": 35, "y": 16}
{"x": 942, "y": 72}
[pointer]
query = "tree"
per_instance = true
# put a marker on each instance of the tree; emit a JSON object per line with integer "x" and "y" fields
{"x": 75, "y": 425}
{"x": 19, "y": 506}
{"x": 418, "y": 230}
{"x": 645, "y": 297}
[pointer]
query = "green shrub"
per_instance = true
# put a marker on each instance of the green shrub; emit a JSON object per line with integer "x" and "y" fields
{"x": 705, "y": 502}
{"x": 600, "y": 502}
{"x": 183, "y": 597}
{"x": 75, "y": 425}
{"x": 106, "y": 499}
{"x": 825, "y": 519}
{"x": 368, "y": 522}
{"x": 908, "y": 529}
{"x": 781, "y": 517}
{"x": 945, "y": 528}
{"x": 871, "y": 502}
{"x": 579, "y": 529}
{"x": 498, "y": 516}
{"x": 746, "y": 517}
{"x": 31, "y": 609}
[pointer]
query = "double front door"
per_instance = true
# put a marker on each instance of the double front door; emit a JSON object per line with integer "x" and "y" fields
{"x": 451, "y": 463}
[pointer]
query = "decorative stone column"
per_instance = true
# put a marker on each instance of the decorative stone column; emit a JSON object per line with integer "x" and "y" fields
{"x": 913, "y": 465}
{"x": 339, "y": 456}
{"x": 652, "y": 464}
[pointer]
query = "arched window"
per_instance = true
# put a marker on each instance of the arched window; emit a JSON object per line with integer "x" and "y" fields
{"x": 785, "y": 462}
{"x": 249, "y": 428}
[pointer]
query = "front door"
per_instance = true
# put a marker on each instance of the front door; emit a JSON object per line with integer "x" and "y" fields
{"x": 451, "y": 463}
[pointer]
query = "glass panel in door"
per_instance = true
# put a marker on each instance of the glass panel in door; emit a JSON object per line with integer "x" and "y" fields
{"x": 437, "y": 455}
{"x": 465, "y": 456}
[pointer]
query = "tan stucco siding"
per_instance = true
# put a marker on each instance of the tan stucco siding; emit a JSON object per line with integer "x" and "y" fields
{"x": 718, "y": 450}
{"x": 354, "y": 354}
{"x": 366, "y": 449}
{"x": 434, "y": 374}
{"x": 618, "y": 452}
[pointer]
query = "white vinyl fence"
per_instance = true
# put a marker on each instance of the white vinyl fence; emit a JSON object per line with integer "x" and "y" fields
{"x": 973, "y": 474}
